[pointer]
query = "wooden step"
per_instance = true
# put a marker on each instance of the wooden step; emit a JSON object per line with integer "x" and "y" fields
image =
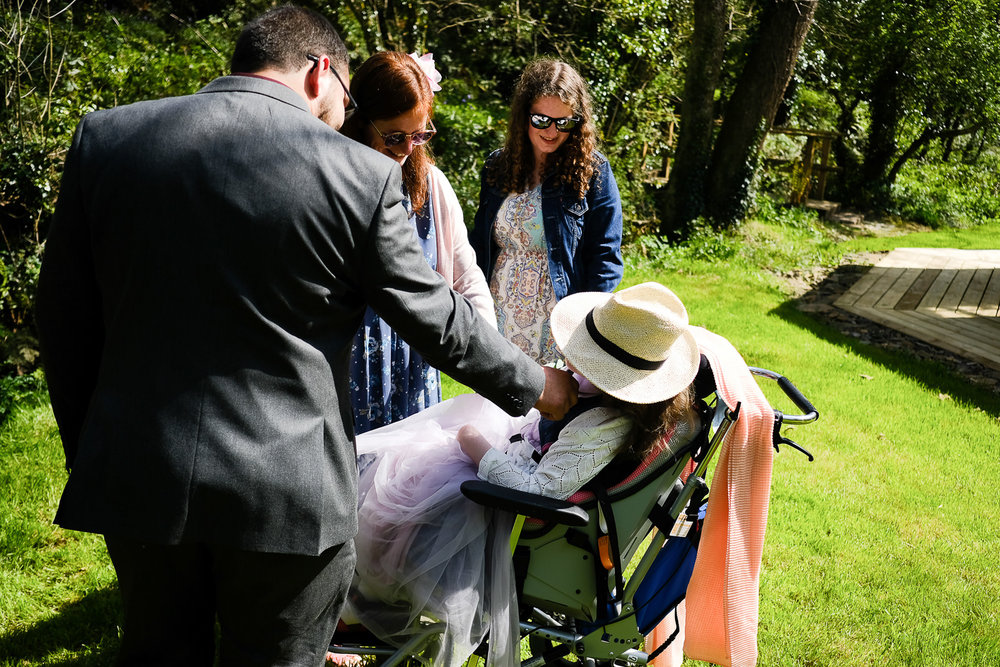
{"x": 825, "y": 208}
{"x": 847, "y": 218}
{"x": 943, "y": 296}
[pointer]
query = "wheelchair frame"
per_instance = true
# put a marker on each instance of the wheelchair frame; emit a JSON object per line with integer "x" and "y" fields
{"x": 559, "y": 595}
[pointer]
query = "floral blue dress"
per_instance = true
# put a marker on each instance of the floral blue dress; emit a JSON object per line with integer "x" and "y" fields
{"x": 389, "y": 380}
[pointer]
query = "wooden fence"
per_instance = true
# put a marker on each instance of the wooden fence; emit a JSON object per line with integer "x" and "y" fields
{"x": 808, "y": 173}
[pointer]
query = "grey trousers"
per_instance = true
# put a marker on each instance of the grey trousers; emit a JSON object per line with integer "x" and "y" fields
{"x": 272, "y": 609}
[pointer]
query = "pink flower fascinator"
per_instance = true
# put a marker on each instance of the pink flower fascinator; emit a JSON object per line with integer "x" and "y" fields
{"x": 426, "y": 63}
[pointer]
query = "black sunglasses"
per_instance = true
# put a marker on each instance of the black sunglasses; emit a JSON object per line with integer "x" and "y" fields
{"x": 351, "y": 103}
{"x": 541, "y": 121}
{"x": 396, "y": 138}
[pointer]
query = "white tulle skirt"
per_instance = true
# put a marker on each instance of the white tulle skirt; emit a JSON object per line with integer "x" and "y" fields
{"x": 425, "y": 552}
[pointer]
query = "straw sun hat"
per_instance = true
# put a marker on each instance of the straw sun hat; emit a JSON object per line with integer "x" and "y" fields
{"x": 634, "y": 344}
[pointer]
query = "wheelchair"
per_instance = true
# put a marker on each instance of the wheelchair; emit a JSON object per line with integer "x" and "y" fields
{"x": 597, "y": 572}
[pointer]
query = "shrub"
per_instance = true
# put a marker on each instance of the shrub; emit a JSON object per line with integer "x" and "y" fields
{"x": 18, "y": 277}
{"x": 946, "y": 194}
{"x": 468, "y": 132}
{"x": 21, "y": 391}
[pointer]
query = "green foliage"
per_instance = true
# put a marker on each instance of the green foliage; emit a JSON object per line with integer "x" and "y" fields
{"x": 707, "y": 244}
{"x": 467, "y": 133}
{"x": 782, "y": 156}
{"x": 946, "y": 194}
{"x": 58, "y": 65}
{"x": 770, "y": 212}
{"x": 625, "y": 49}
{"x": 780, "y": 239}
{"x": 923, "y": 70}
{"x": 57, "y": 69}
{"x": 18, "y": 276}
{"x": 71, "y": 65}
{"x": 21, "y": 391}
{"x": 18, "y": 346}
{"x": 814, "y": 109}
{"x": 631, "y": 60}
{"x": 651, "y": 253}
{"x": 774, "y": 240}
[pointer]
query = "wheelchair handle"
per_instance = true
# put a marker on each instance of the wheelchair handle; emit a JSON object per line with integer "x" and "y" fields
{"x": 809, "y": 413}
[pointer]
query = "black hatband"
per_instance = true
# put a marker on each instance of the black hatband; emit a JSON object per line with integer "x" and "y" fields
{"x": 618, "y": 353}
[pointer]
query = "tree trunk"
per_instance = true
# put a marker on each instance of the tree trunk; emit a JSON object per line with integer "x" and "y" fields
{"x": 947, "y": 146}
{"x": 915, "y": 146}
{"x": 970, "y": 155}
{"x": 683, "y": 199}
{"x": 357, "y": 10}
{"x": 881, "y": 147}
{"x": 750, "y": 111}
{"x": 845, "y": 155}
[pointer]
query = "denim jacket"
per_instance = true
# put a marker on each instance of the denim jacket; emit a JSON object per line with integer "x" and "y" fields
{"x": 583, "y": 235}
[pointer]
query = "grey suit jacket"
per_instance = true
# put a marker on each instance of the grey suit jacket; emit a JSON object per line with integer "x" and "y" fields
{"x": 207, "y": 267}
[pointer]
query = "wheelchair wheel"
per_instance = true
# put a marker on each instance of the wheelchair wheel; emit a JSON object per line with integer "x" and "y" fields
{"x": 539, "y": 646}
{"x": 560, "y": 655}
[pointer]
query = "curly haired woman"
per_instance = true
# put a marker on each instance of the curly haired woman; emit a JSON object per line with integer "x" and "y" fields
{"x": 549, "y": 222}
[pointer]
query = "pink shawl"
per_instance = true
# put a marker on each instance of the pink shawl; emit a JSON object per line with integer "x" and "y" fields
{"x": 722, "y": 597}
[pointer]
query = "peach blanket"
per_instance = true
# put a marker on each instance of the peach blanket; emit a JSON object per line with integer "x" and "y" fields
{"x": 722, "y": 597}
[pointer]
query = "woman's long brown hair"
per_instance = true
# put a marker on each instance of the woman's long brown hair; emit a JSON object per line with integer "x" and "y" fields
{"x": 387, "y": 85}
{"x": 572, "y": 164}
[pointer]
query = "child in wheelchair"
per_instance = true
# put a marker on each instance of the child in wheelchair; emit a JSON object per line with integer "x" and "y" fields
{"x": 427, "y": 554}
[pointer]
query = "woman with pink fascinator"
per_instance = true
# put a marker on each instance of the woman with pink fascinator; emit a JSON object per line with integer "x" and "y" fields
{"x": 394, "y": 94}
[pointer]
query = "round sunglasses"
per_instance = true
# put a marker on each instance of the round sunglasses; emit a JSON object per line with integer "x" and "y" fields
{"x": 418, "y": 138}
{"x": 540, "y": 121}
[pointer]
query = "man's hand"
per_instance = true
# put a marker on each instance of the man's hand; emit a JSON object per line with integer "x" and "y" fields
{"x": 559, "y": 394}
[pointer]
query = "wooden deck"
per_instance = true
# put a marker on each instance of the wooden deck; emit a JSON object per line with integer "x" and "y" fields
{"x": 948, "y": 298}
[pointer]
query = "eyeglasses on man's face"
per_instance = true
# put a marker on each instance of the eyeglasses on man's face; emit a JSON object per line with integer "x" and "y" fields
{"x": 418, "y": 138}
{"x": 540, "y": 121}
{"x": 351, "y": 103}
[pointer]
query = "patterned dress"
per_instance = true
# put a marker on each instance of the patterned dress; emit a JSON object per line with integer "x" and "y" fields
{"x": 389, "y": 380}
{"x": 521, "y": 286}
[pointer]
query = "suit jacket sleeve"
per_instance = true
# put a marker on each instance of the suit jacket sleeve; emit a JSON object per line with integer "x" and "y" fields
{"x": 68, "y": 305}
{"x": 442, "y": 325}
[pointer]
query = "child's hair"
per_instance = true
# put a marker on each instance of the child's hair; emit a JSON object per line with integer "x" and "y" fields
{"x": 652, "y": 421}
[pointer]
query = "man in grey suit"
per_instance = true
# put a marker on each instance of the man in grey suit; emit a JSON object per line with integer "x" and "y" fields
{"x": 207, "y": 267}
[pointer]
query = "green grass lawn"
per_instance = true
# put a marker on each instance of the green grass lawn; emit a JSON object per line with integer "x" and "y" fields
{"x": 882, "y": 551}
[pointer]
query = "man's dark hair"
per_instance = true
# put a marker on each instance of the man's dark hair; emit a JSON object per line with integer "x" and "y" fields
{"x": 281, "y": 38}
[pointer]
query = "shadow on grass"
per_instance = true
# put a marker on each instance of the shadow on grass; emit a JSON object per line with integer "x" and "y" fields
{"x": 84, "y": 632}
{"x": 938, "y": 369}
